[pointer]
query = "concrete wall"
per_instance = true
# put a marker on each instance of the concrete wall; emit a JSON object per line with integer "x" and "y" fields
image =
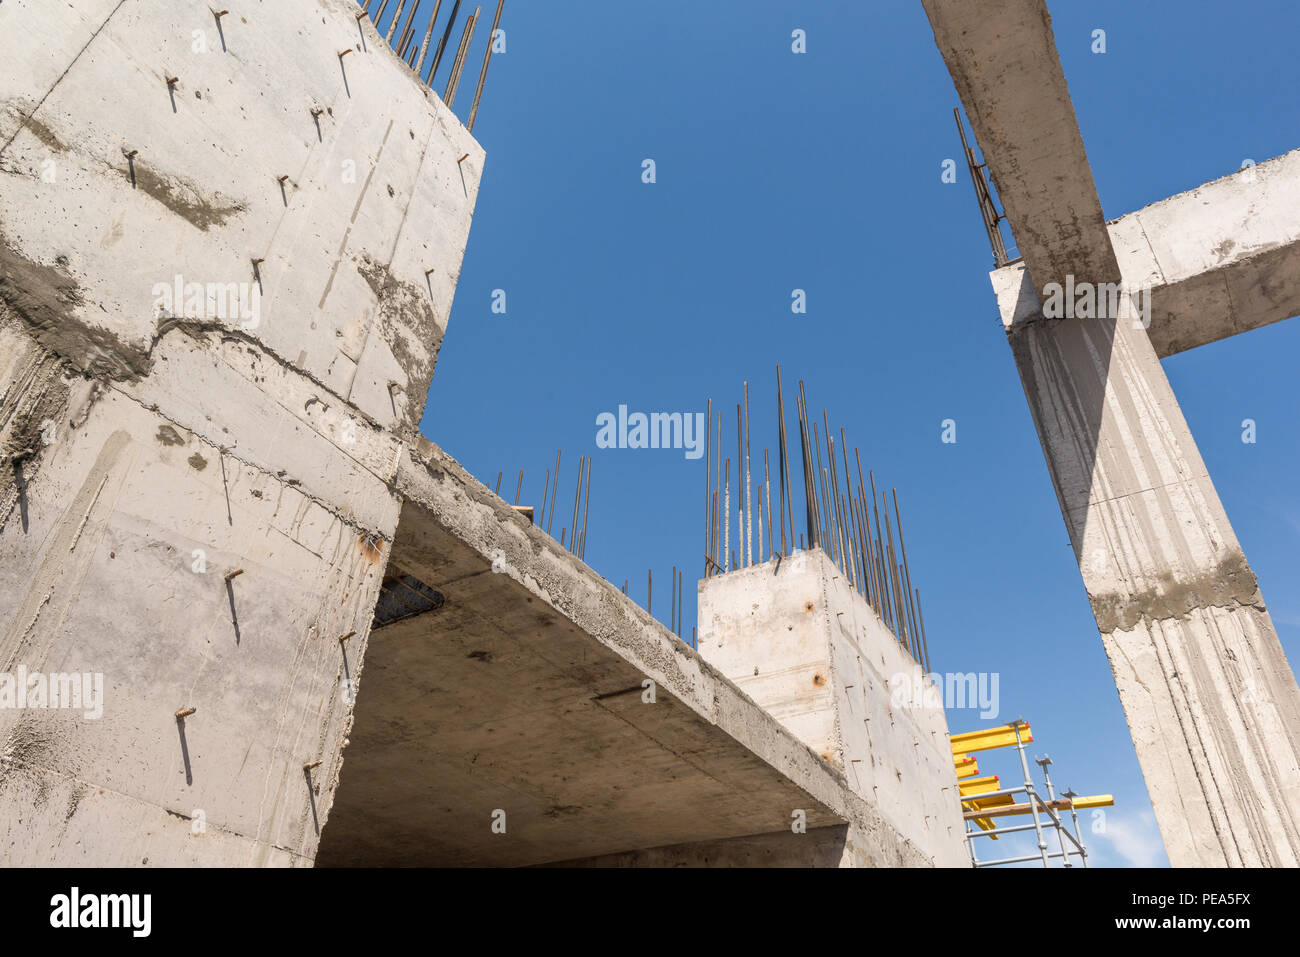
{"x": 804, "y": 645}
{"x": 150, "y": 448}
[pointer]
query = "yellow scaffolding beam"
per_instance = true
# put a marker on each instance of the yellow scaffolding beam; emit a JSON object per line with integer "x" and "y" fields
{"x": 1003, "y": 736}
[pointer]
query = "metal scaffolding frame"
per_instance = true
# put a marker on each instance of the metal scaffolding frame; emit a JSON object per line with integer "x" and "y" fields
{"x": 979, "y": 819}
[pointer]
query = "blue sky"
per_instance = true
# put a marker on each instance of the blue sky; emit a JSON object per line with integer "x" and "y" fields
{"x": 821, "y": 172}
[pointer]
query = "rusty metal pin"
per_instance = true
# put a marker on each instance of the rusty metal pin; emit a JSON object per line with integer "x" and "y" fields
{"x": 311, "y": 767}
{"x": 173, "y": 80}
{"x": 316, "y": 111}
{"x": 345, "y": 53}
{"x": 183, "y": 713}
{"x": 130, "y": 154}
{"x": 346, "y": 637}
{"x": 219, "y": 13}
{"x": 235, "y": 574}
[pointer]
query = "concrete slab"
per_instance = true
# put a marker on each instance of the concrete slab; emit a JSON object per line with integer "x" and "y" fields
{"x": 523, "y": 693}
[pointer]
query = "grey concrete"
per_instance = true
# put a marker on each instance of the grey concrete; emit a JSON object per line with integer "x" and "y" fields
{"x": 524, "y": 693}
{"x": 1003, "y": 61}
{"x": 805, "y": 645}
{"x": 1219, "y": 260}
{"x": 1211, "y": 701}
{"x": 820, "y": 847}
{"x": 149, "y": 449}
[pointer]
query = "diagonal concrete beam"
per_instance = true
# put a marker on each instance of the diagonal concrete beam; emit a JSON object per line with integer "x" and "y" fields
{"x": 1003, "y": 61}
{"x": 1210, "y": 699}
{"x": 1219, "y": 260}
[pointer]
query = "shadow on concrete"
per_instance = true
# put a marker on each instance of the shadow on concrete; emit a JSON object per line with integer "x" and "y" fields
{"x": 185, "y": 751}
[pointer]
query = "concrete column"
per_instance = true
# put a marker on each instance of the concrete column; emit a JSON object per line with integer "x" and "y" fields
{"x": 221, "y": 302}
{"x": 1210, "y": 700}
{"x": 806, "y": 647}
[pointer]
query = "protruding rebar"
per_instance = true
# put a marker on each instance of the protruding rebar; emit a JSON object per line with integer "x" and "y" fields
{"x": 453, "y": 81}
{"x": 487, "y": 59}
{"x": 442, "y": 44}
{"x": 428, "y": 35}
{"x": 393, "y": 25}
{"x": 550, "y": 512}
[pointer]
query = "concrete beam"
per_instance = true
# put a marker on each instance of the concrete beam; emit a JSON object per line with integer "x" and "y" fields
{"x": 1218, "y": 260}
{"x": 523, "y": 692}
{"x": 1003, "y": 61}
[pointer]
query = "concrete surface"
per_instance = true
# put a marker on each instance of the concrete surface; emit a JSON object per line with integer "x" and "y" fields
{"x": 524, "y": 692}
{"x": 1219, "y": 260}
{"x": 800, "y": 641}
{"x": 152, "y": 447}
{"x": 1003, "y": 61}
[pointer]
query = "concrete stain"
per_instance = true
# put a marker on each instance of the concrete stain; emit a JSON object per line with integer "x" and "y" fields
{"x": 408, "y": 325}
{"x": 45, "y": 135}
{"x": 372, "y": 547}
{"x": 197, "y": 462}
{"x": 184, "y": 199}
{"x": 168, "y": 436}
{"x": 1230, "y": 584}
{"x": 47, "y": 300}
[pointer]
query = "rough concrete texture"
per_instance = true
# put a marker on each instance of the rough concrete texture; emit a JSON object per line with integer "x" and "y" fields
{"x": 374, "y": 194}
{"x": 524, "y": 693}
{"x": 1003, "y": 61}
{"x": 800, "y": 641}
{"x": 1211, "y": 701}
{"x": 152, "y": 449}
{"x": 1218, "y": 260}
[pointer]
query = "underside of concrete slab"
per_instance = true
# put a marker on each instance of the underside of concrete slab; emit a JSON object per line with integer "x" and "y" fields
{"x": 513, "y": 724}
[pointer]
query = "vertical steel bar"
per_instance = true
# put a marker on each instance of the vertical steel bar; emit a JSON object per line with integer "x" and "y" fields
{"x": 740, "y": 489}
{"x": 809, "y": 482}
{"x": 453, "y": 81}
{"x": 577, "y": 500}
{"x": 546, "y": 490}
{"x": 442, "y": 44}
{"x": 407, "y": 33}
{"x": 586, "y": 505}
{"x": 767, "y": 482}
{"x": 907, "y": 572}
{"x": 726, "y": 524}
{"x": 749, "y": 500}
{"x": 396, "y": 16}
{"x": 428, "y": 35}
{"x": 783, "y": 469}
{"x": 925, "y": 647}
{"x": 550, "y": 511}
{"x": 487, "y": 59}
